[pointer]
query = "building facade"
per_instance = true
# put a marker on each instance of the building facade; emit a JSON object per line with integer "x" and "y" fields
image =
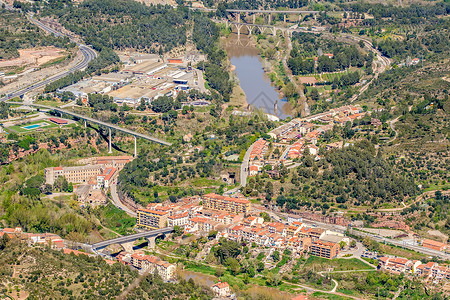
{"x": 228, "y": 204}
{"x": 154, "y": 265}
{"x": 151, "y": 219}
{"x": 79, "y": 174}
{"x": 324, "y": 249}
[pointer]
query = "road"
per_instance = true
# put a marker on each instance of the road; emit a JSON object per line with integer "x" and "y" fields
{"x": 280, "y": 217}
{"x": 117, "y": 203}
{"x": 383, "y": 60}
{"x": 95, "y": 121}
{"x": 132, "y": 237}
{"x": 245, "y": 165}
{"x": 88, "y": 55}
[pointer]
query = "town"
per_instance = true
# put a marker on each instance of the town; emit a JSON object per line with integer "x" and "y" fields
{"x": 233, "y": 219}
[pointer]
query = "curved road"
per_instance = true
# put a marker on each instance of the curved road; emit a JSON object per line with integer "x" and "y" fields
{"x": 88, "y": 53}
{"x": 117, "y": 203}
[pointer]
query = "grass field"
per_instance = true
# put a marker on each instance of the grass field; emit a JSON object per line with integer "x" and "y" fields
{"x": 199, "y": 268}
{"x": 393, "y": 250}
{"x": 20, "y": 129}
{"x": 338, "y": 264}
{"x": 321, "y": 295}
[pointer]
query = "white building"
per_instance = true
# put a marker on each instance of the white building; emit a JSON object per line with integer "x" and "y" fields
{"x": 221, "y": 289}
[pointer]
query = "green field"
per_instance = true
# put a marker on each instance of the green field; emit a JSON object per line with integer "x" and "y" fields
{"x": 20, "y": 129}
{"x": 338, "y": 264}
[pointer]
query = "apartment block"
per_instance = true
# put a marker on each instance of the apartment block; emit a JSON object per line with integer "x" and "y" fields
{"x": 228, "y": 204}
{"x": 178, "y": 220}
{"x": 154, "y": 265}
{"x": 324, "y": 249}
{"x": 151, "y": 219}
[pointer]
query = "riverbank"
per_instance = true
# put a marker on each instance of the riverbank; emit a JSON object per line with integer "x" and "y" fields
{"x": 253, "y": 86}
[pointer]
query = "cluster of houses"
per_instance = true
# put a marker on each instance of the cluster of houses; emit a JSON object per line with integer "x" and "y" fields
{"x": 300, "y": 135}
{"x": 313, "y": 126}
{"x": 430, "y": 270}
{"x": 231, "y": 219}
{"x": 148, "y": 264}
{"x": 51, "y": 240}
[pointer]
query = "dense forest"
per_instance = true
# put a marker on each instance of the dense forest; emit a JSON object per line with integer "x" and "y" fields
{"x": 143, "y": 178}
{"x": 206, "y": 36}
{"x": 353, "y": 176}
{"x": 16, "y": 32}
{"x": 433, "y": 40}
{"x": 390, "y": 14}
{"x": 123, "y": 24}
{"x": 331, "y": 55}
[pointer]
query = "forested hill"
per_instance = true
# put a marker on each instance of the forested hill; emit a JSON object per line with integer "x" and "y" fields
{"x": 120, "y": 24}
{"x": 16, "y": 32}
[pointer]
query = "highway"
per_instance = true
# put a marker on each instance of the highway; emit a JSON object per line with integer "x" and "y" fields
{"x": 88, "y": 55}
{"x": 95, "y": 121}
{"x": 132, "y": 237}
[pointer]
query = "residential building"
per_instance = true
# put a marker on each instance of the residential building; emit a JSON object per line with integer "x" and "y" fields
{"x": 178, "y": 220}
{"x": 324, "y": 249}
{"x": 106, "y": 178}
{"x": 153, "y": 265}
{"x": 223, "y": 203}
{"x": 221, "y": 289}
{"x": 151, "y": 219}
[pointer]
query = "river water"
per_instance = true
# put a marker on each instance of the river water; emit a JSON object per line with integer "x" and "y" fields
{"x": 254, "y": 82}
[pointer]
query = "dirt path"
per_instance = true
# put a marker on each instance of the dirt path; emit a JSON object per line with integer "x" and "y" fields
{"x": 418, "y": 199}
{"x": 310, "y": 289}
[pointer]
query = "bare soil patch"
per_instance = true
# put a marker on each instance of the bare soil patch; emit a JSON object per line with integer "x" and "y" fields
{"x": 309, "y": 80}
{"x": 34, "y": 57}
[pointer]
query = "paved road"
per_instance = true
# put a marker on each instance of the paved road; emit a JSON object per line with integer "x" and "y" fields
{"x": 132, "y": 237}
{"x": 117, "y": 203}
{"x": 88, "y": 55}
{"x": 342, "y": 229}
{"x": 92, "y": 120}
{"x": 244, "y": 166}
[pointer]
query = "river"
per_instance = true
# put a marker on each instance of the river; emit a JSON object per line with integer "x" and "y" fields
{"x": 255, "y": 83}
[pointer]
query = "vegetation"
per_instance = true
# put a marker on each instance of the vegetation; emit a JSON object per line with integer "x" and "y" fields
{"x": 306, "y": 46}
{"x": 16, "y": 32}
{"x": 123, "y": 24}
{"x": 205, "y": 36}
{"x": 49, "y": 274}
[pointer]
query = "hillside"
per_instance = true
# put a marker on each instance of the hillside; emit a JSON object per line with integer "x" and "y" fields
{"x": 47, "y": 274}
{"x": 16, "y": 32}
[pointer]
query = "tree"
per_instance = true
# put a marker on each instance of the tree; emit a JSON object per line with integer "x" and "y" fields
{"x": 361, "y": 43}
{"x": 4, "y": 240}
{"x": 142, "y": 106}
{"x": 162, "y": 104}
{"x": 265, "y": 216}
{"x": 276, "y": 256}
{"x": 314, "y": 94}
{"x": 233, "y": 265}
